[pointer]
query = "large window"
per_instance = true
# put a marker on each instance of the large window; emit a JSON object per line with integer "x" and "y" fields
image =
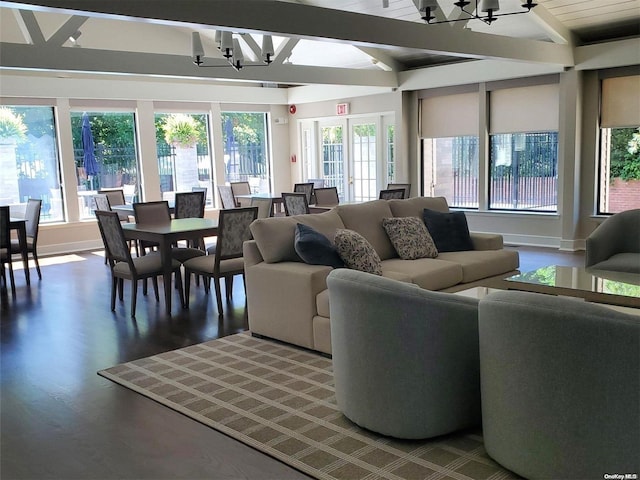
{"x": 115, "y": 162}
{"x": 333, "y": 158}
{"x": 523, "y": 148}
{"x": 450, "y": 125}
{"x": 523, "y": 171}
{"x": 246, "y": 149}
{"x": 391, "y": 157}
{"x": 619, "y": 171}
{"x": 454, "y": 169}
{"x": 184, "y": 157}
{"x": 29, "y": 166}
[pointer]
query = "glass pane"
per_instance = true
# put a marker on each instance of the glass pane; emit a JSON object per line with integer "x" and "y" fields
{"x": 619, "y": 170}
{"x": 114, "y": 149}
{"x": 184, "y": 159}
{"x": 451, "y": 169}
{"x": 29, "y": 163}
{"x": 523, "y": 171}
{"x": 333, "y": 159}
{"x": 246, "y": 150}
{"x": 364, "y": 162}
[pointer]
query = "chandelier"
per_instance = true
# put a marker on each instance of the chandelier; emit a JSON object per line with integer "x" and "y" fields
{"x": 231, "y": 50}
{"x": 486, "y": 7}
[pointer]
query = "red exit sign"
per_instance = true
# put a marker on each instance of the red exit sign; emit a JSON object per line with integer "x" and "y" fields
{"x": 342, "y": 108}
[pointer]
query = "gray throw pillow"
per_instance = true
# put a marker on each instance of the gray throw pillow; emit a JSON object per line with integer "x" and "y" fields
{"x": 356, "y": 252}
{"x": 449, "y": 231}
{"x": 410, "y": 237}
{"x": 314, "y": 248}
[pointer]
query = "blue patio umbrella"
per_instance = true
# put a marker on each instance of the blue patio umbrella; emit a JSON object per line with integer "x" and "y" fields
{"x": 88, "y": 146}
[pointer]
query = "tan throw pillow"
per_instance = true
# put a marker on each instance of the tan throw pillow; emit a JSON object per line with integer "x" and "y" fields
{"x": 356, "y": 252}
{"x": 410, "y": 237}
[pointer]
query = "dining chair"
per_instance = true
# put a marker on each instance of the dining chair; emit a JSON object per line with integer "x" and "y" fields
{"x": 5, "y": 247}
{"x": 102, "y": 202}
{"x": 226, "y": 261}
{"x": 240, "y": 188}
{"x": 201, "y": 189}
{"x": 125, "y": 267}
{"x": 116, "y": 197}
{"x": 295, "y": 203}
{"x": 392, "y": 194}
{"x": 317, "y": 182}
{"x": 190, "y": 205}
{"x": 406, "y": 186}
{"x": 32, "y": 216}
{"x": 226, "y": 196}
{"x": 326, "y": 196}
{"x": 265, "y": 206}
{"x": 306, "y": 188}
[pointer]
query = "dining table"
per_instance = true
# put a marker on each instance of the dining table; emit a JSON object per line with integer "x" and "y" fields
{"x": 165, "y": 235}
{"x": 245, "y": 200}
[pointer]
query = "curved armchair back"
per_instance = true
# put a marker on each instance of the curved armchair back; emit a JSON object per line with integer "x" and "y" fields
{"x": 405, "y": 359}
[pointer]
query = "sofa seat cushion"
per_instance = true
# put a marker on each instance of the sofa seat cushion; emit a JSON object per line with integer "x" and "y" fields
{"x": 275, "y": 236}
{"x": 366, "y": 219}
{"x": 322, "y": 303}
{"x": 427, "y": 273}
{"x": 620, "y": 262}
{"x": 413, "y": 207}
{"x": 477, "y": 264}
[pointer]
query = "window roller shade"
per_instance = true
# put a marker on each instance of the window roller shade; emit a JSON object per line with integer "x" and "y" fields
{"x": 620, "y": 103}
{"x": 525, "y": 109}
{"x": 450, "y": 115}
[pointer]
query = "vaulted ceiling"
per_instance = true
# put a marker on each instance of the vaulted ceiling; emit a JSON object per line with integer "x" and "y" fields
{"x": 346, "y": 42}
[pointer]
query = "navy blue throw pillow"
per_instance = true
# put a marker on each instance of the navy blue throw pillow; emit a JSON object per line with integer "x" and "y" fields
{"x": 449, "y": 231}
{"x": 314, "y": 248}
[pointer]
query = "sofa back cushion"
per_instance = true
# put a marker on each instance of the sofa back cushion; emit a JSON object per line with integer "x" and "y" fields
{"x": 413, "y": 207}
{"x": 366, "y": 219}
{"x": 275, "y": 236}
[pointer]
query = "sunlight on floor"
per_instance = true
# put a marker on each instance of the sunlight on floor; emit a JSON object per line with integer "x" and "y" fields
{"x": 46, "y": 261}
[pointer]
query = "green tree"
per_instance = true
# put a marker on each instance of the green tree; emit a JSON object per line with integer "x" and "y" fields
{"x": 625, "y": 153}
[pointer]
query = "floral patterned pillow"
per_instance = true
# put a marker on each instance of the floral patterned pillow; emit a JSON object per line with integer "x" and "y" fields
{"x": 356, "y": 252}
{"x": 410, "y": 237}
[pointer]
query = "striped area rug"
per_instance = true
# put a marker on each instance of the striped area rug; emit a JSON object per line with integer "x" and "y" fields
{"x": 280, "y": 400}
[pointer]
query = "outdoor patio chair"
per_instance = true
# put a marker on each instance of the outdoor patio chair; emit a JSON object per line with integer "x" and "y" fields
{"x": 295, "y": 203}
{"x": 226, "y": 261}
{"x": 125, "y": 267}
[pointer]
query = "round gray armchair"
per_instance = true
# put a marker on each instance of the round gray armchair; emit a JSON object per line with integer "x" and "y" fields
{"x": 405, "y": 360}
{"x": 615, "y": 244}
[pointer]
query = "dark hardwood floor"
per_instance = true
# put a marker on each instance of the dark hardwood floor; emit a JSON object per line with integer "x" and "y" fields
{"x": 60, "y": 420}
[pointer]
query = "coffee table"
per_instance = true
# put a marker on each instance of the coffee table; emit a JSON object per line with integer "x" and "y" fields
{"x": 598, "y": 286}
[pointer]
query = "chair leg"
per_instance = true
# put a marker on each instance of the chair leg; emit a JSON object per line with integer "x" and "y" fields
{"x": 187, "y": 287}
{"x": 121, "y": 289}
{"x": 218, "y": 295}
{"x": 180, "y": 289}
{"x": 155, "y": 287}
{"x": 134, "y": 296}
{"x": 114, "y": 285}
{"x": 13, "y": 282}
{"x": 35, "y": 260}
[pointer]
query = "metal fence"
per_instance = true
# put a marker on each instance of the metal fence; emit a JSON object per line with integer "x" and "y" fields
{"x": 523, "y": 172}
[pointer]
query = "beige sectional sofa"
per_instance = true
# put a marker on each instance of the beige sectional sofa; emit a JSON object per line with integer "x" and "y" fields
{"x": 288, "y": 299}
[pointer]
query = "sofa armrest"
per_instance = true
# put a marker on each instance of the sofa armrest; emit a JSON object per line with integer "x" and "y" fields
{"x": 281, "y": 299}
{"x": 487, "y": 241}
{"x": 251, "y": 253}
